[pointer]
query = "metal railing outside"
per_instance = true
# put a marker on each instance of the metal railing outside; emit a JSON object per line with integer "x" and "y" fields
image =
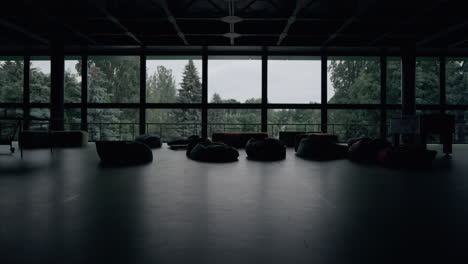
{"x": 128, "y": 131}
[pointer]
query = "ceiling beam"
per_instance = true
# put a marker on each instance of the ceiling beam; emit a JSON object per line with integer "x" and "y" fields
{"x": 443, "y": 33}
{"x": 407, "y": 22}
{"x": 361, "y": 10}
{"x": 116, "y": 22}
{"x": 299, "y": 5}
{"x": 216, "y": 6}
{"x": 247, "y": 6}
{"x": 23, "y": 31}
{"x": 66, "y": 26}
{"x": 171, "y": 18}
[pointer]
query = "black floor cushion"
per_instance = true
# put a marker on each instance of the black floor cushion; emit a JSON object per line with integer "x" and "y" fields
{"x": 123, "y": 152}
{"x": 212, "y": 152}
{"x": 268, "y": 149}
{"x": 311, "y": 148}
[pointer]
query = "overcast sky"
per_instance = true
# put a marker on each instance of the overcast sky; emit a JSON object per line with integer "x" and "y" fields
{"x": 289, "y": 81}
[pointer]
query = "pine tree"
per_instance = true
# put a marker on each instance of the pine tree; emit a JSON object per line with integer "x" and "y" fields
{"x": 189, "y": 92}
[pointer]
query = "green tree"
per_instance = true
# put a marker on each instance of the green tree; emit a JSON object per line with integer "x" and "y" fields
{"x": 189, "y": 92}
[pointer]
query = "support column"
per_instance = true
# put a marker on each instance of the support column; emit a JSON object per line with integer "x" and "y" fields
{"x": 142, "y": 123}
{"x": 408, "y": 81}
{"x": 264, "y": 122}
{"x": 204, "y": 116}
{"x": 383, "y": 96}
{"x": 408, "y": 86}
{"x": 324, "y": 109}
{"x": 84, "y": 93}
{"x": 57, "y": 86}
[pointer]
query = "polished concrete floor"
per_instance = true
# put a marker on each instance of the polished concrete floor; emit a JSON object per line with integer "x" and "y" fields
{"x": 66, "y": 208}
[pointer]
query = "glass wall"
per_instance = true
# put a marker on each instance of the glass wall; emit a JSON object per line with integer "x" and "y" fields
{"x": 394, "y": 80}
{"x": 457, "y": 81}
{"x": 173, "y": 79}
{"x": 114, "y": 82}
{"x": 39, "y": 80}
{"x": 294, "y": 79}
{"x": 113, "y": 79}
{"x": 233, "y": 120}
{"x": 72, "y": 80}
{"x": 173, "y": 123}
{"x": 427, "y": 80}
{"x": 234, "y": 79}
{"x": 11, "y": 79}
{"x": 349, "y": 123}
{"x": 307, "y": 120}
{"x": 113, "y": 123}
{"x": 353, "y": 80}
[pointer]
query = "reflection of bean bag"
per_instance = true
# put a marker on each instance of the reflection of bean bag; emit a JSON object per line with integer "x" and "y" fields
{"x": 268, "y": 149}
{"x": 237, "y": 139}
{"x": 416, "y": 157}
{"x": 311, "y": 148}
{"x": 366, "y": 149}
{"x": 316, "y": 138}
{"x": 210, "y": 152}
{"x": 123, "y": 152}
{"x": 149, "y": 140}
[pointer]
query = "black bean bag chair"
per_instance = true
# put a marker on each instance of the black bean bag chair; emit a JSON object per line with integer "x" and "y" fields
{"x": 181, "y": 141}
{"x": 320, "y": 138}
{"x": 406, "y": 157}
{"x": 123, "y": 152}
{"x": 351, "y": 141}
{"x": 268, "y": 149}
{"x": 311, "y": 148}
{"x": 366, "y": 149}
{"x": 149, "y": 140}
{"x": 205, "y": 150}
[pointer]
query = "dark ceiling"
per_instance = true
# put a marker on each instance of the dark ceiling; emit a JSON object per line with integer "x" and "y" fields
{"x": 317, "y": 23}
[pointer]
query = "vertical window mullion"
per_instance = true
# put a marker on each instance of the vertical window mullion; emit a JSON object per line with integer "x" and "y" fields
{"x": 84, "y": 93}
{"x": 383, "y": 96}
{"x": 323, "y": 114}
{"x": 204, "y": 116}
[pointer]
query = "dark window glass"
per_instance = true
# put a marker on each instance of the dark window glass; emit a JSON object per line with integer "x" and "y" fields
{"x": 11, "y": 79}
{"x": 114, "y": 79}
{"x": 234, "y": 79}
{"x": 173, "y": 79}
{"x": 353, "y": 80}
{"x": 294, "y": 79}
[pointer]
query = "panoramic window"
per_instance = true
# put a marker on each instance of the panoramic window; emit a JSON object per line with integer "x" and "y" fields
{"x": 173, "y": 79}
{"x": 457, "y": 81}
{"x": 461, "y": 126}
{"x": 112, "y": 124}
{"x": 39, "y": 119}
{"x": 394, "y": 80}
{"x": 427, "y": 80}
{"x": 353, "y": 80}
{"x": 9, "y": 128}
{"x": 173, "y": 123}
{"x": 294, "y": 79}
{"x": 307, "y": 120}
{"x": 234, "y": 79}
{"x": 349, "y": 123}
{"x": 72, "y": 118}
{"x": 11, "y": 79}
{"x": 72, "y": 80}
{"x": 114, "y": 79}
{"x": 39, "y": 80}
{"x": 234, "y": 120}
